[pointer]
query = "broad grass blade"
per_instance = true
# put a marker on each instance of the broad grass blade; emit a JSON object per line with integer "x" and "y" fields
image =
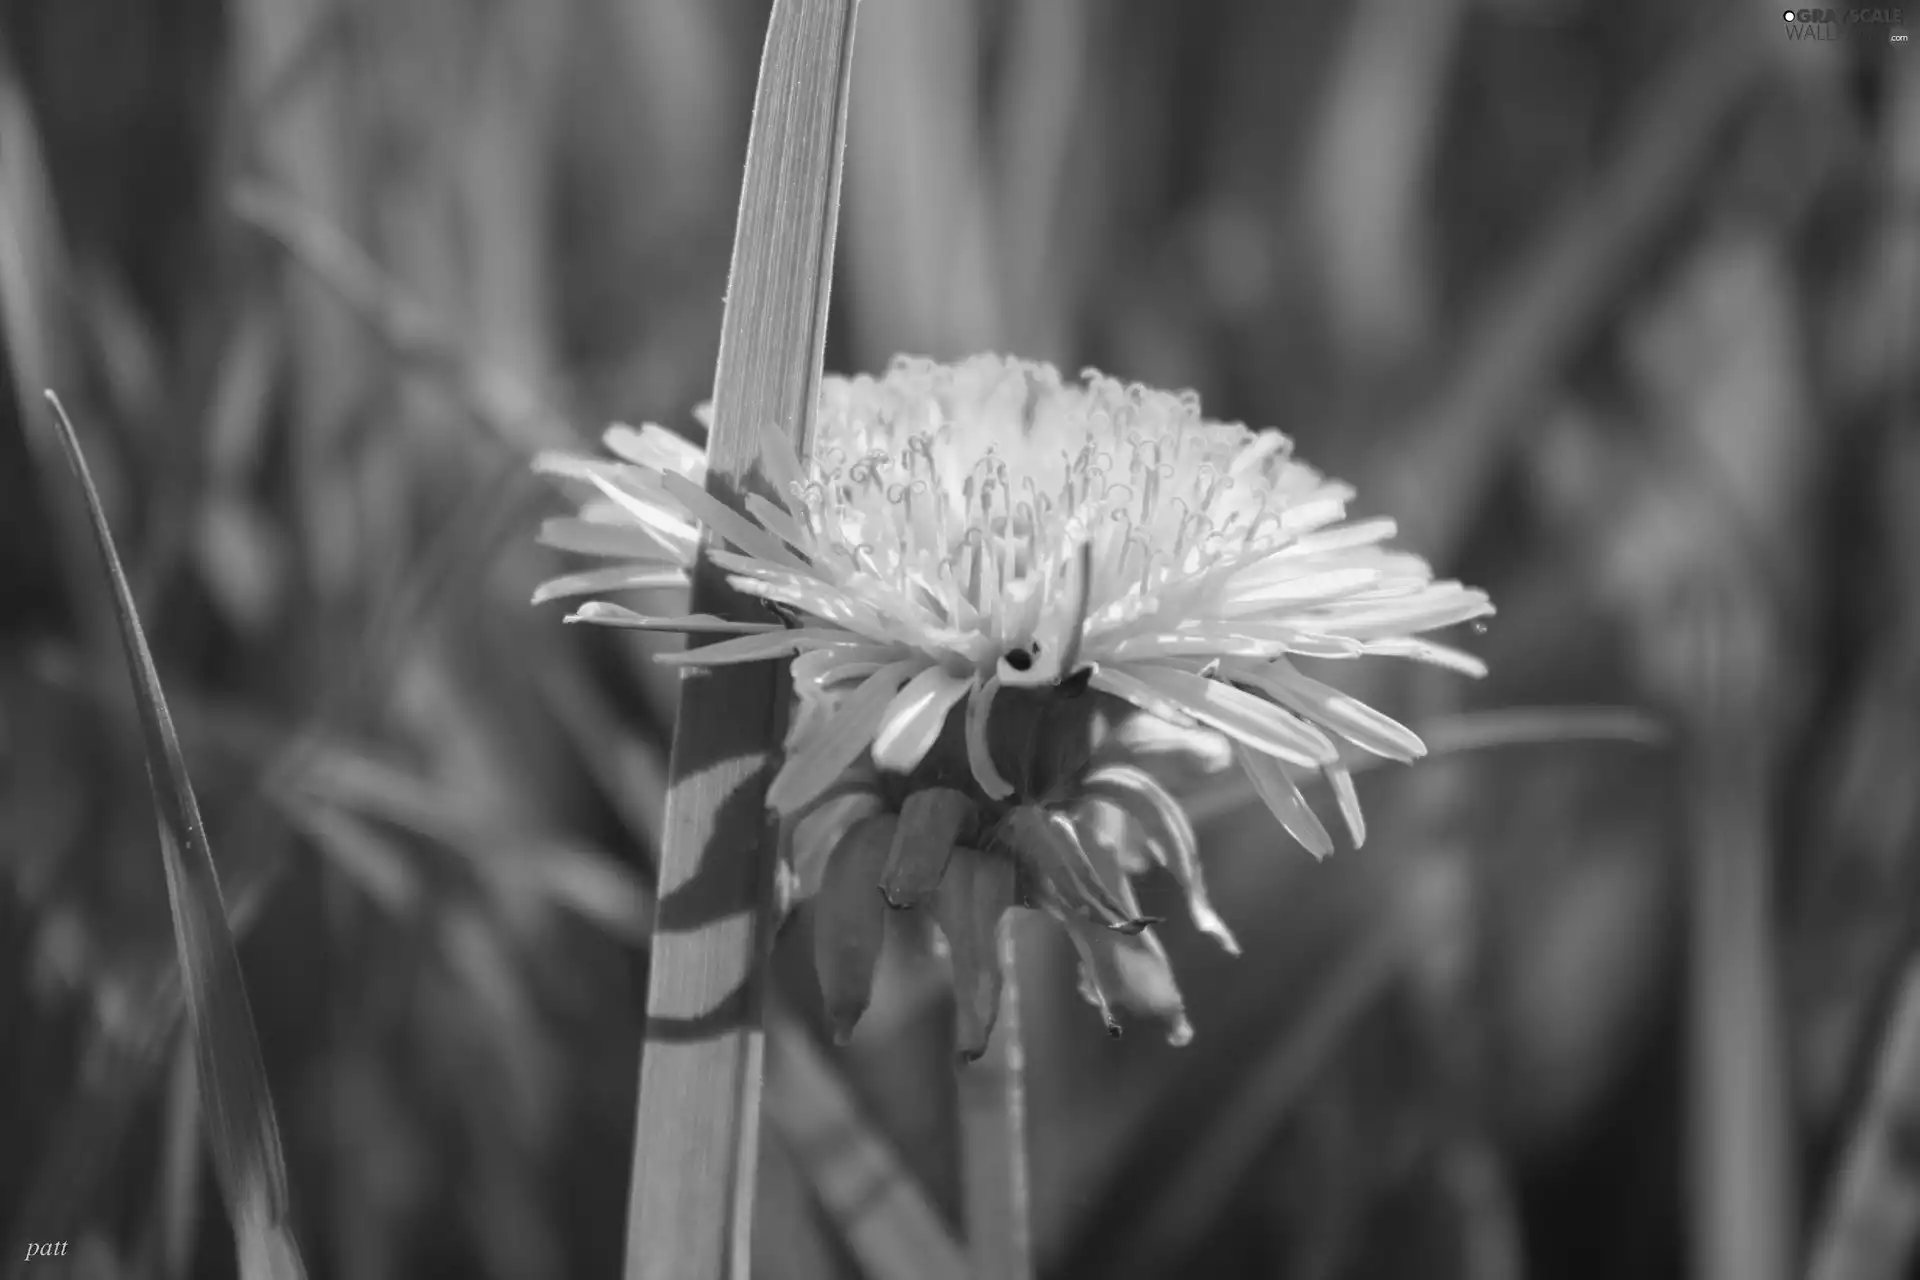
{"x": 820, "y": 1130}
{"x": 698, "y": 1114}
{"x": 241, "y": 1130}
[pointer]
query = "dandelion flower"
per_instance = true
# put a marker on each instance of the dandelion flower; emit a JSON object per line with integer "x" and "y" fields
{"x": 1005, "y": 596}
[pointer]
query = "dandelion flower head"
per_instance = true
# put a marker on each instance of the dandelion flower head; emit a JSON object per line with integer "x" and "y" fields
{"x": 1001, "y": 591}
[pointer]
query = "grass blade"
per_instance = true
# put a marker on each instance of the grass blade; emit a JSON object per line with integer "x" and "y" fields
{"x": 417, "y": 337}
{"x": 1872, "y": 1217}
{"x": 1434, "y": 472}
{"x": 698, "y": 1115}
{"x": 1214, "y": 1118}
{"x": 241, "y": 1129}
{"x": 1469, "y": 731}
{"x": 875, "y": 1202}
{"x": 177, "y": 1214}
{"x": 1740, "y": 1142}
{"x": 819, "y": 1128}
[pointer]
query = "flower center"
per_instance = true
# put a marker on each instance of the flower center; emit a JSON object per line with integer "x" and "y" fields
{"x": 971, "y": 490}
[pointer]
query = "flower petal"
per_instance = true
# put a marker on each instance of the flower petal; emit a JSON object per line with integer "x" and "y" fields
{"x": 815, "y": 670}
{"x": 1267, "y": 590}
{"x": 1170, "y": 837}
{"x": 1107, "y": 826}
{"x": 1427, "y": 651}
{"x": 779, "y": 522}
{"x": 932, "y": 821}
{"x": 1130, "y": 971}
{"x": 913, "y": 723}
{"x": 817, "y": 832}
{"x": 657, "y": 449}
{"x": 1314, "y": 510}
{"x": 626, "y": 577}
{"x": 727, "y": 523}
{"x": 842, "y": 739}
{"x": 1049, "y": 847}
{"x": 975, "y": 893}
{"x": 1150, "y": 735}
{"x": 613, "y": 615}
{"x": 1124, "y": 684}
{"x": 1206, "y": 641}
{"x": 1134, "y": 972}
{"x": 591, "y": 538}
{"x": 1283, "y": 798}
{"x": 678, "y": 534}
{"x": 784, "y": 468}
{"x": 1313, "y": 644}
{"x": 574, "y": 466}
{"x": 1238, "y": 714}
{"x": 801, "y": 589}
{"x": 850, "y": 922}
{"x": 1443, "y": 604}
{"x": 1349, "y": 801}
{"x": 986, "y": 775}
{"x": 1347, "y": 537}
{"x": 783, "y": 643}
{"x": 1323, "y": 704}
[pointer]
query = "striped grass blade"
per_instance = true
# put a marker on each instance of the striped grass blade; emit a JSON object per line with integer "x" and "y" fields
{"x": 698, "y": 1114}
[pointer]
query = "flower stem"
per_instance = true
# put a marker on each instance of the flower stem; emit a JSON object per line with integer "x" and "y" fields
{"x": 993, "y": 1124}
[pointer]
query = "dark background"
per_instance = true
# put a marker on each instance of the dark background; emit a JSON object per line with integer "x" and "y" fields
{"x": 1613, "y": 304}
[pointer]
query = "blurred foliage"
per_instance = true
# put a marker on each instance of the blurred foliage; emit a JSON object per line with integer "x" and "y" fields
{"x": 1613, "y": 304}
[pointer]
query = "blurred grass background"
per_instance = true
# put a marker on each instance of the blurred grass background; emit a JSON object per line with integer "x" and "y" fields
{"x": 1616, "y": 306}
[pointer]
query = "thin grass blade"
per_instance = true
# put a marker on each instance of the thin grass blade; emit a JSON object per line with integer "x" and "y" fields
{"x": 875, "y": 1202}
{"x": 1872, "y": 1217}
{"x": 177, "y": 1217}
{"x": 1471, "y": 731}
{"x": 242, "y": 1132}
{"x": 1276, "y": 1036}
{"x": 1434, "y": 471}
{"x": 698, "y": 1114}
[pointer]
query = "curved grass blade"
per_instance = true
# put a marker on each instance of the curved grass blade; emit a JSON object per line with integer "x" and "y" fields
{"x": 241, "y": 1130}
{"x": 877, "y": 1205}
{"x": 1868, "y": 1226}
{"x": 1543, "y": 726}
{"x": 1208, "y": 1124}
{"x": 1470, "y": 731}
